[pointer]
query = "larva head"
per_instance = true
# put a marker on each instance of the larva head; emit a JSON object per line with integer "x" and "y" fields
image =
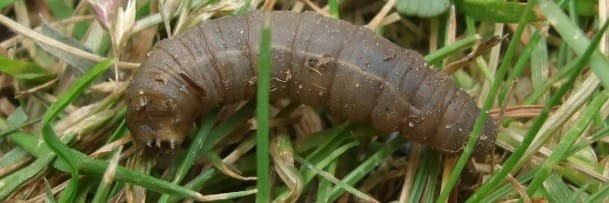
{"x": 157, "y": 113}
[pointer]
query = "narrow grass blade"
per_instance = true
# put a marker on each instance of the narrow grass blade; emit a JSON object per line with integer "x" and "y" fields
{"x": 567, "y": 141}
{"x": 193, "y": 152}
{"x": 49, "y": 197}
{"x": 600, "y": 196}
{"x": 575, "y": 38}
{"x": 556, "y": 189}
{"x": 519, "y": 66}
{"x": 486, "y": 188}
{"x": 506, "y": 189}
{"x": 339, "y": 183}
{"x": 262, "y": 113}
{"x": 441, "y": 53}
{"x": 6, "y": 3}
{"x": 48, "y": 133}
{"x": 334, "y": 9}
{"x": 29, "y": 73}
{"x": 365, "y": 167}
{"x": 282, "y": 153}
{"x": 103, "y": 188}
{"x": 325, "y": 186}
{"x": 43, "y": 154}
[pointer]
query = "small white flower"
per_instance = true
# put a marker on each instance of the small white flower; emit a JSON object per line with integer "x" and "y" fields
{"x": 116, "y": 20}
{"x": 122, "y": 24}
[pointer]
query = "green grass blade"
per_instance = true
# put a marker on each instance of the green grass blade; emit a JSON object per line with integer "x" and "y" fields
{"x": 97, "y": 168}
{"x": 431, "y": 172}
{"x": 323, "y": 140}
{"x": 48, "y": 133}
{"x": 424, "y": 177}
{"x": 16, "y": 128}
{"x": 11, "y": 182}
{"x": 506, "y": 189}
{"x": 445, "y": 51}
{"x": 334, "y": 9}
{"x": 5, "y": 3}
{"x": 540, "y": 66}
{"x": 103, "y": 188}
{"x": 601, "y": 133}
{"x": 193, "y": 152}
{"x": 539, "y": 92}
{"x": 76, "y": 89}
{"x": 262, "y": 114}
{"x": 11, "y": 157}
{"x": 577, "y": 195}
{"x": 43, "y": 154}
{"x": 325, "y": 186}
{"x": 26, "y": 72}
{"x": 511, "y": 163}
{"x": 519, "y": 66}
{"x": 567, "y": 141}
{"x": 121, "y": 130}
{"x": 59, "y": 8}
{"x": 364, "y": 168}
{"x": 556, "y": 189}
{"x": 49, "y": 198}
{"x": 600, "y": 196}
{"x": 222, "y": 130}
{"x": 342, "y": 184}
{"x": 487, "y": 187}
{"x": 328, "y": 159}
{"x": 570, "y": 138}
{"x": 225, "y": 128}
{"x": 575, "y": 38}
{"x": 282, "y": 153}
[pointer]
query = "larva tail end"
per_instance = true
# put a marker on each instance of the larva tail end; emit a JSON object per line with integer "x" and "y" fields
{"x": 485, "y": 146}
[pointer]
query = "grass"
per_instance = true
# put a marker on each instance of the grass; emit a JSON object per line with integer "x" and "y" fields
{"x": 262, "y": 113}
{"x": 63, "y": 136}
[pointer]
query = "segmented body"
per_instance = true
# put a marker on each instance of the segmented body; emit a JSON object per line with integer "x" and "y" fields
{"x": 317, "y": 61}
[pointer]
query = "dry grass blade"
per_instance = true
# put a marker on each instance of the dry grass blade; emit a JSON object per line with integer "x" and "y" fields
{"x": 381, "y": 15}
{"x": 54, "y": 43}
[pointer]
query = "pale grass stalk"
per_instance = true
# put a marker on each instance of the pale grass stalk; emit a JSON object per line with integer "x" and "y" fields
{"x": 603, "y": 15}
{"x": 491, "y": 65}
{"x": 555, "y": 121}
{"x": 544, "y": 153}
{"x": 519, "y": 188}
{"x": 111, "y": 146}
{"x": 40, "y": 38}
{"x": 411, "y": 171}
{"x": 316, "y": 8}
{"x": 167, "y": 9}
{"x": 11, "y": 42}
{"x": 376, "y": 21}
{"x": 391, "y": 18}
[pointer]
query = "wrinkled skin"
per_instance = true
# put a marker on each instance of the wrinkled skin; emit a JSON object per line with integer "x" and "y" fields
{"x": 317, "y": 61}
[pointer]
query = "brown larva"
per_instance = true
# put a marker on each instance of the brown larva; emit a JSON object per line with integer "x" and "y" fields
{"x": 317, "y": 61}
